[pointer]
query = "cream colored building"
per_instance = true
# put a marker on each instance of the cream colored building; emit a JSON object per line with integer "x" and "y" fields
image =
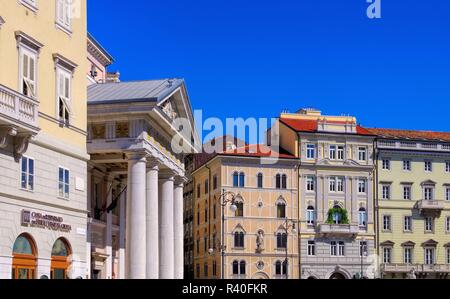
{"x": 413, "y": 199}
{"x": 43, "y": 195}
{"x": 337, "y": 237}
{"x": 257, "y": 238}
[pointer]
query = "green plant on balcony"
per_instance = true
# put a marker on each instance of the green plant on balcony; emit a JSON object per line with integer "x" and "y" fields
{"x": 338, "y": 215}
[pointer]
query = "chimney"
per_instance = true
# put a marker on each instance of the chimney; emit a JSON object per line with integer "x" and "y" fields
{"x": 310, "y": 111}
{"x": 113, "y": 77}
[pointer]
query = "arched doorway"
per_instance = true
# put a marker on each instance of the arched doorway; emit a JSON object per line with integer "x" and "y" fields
{"x": 61, "y": 259}
{"x": 24, "y": 258}
{"x": 337, "y": 275}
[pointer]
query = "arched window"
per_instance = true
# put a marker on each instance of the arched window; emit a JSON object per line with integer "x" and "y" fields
{"x": 61, "y": 255}
{"x": 281, "y": 209}
{"x": 284, "y": 181}
{"x": 235, "y": 268}
{"x": 362, "y": 217}
{"x": 239, "y": 239}
{"x": 278, "y": 181}
{"x": 242, "y": 180}
{"x": 280, "y": 268}
{"x": 240, "y": 209}
{"x": 310, "y": 215}
{"x": 242, "y": 266}
{"x": 281, "y": 240}
{"x": 239, "y": 268}
{"x": 24, "y": 258}
{"x": 236, "y": 179}
{"x": 260, "y": 178}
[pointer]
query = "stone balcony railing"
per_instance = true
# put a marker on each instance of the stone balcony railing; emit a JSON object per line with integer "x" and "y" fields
{"x": 412, "y": 145}
{"x": 338, "y": 229}
{"x": 430, "y": 207}
{"x": 419, "y": 268}
{"x": 18, "y": 110}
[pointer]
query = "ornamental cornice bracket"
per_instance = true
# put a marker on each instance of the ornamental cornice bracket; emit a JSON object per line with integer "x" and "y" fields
{"x": 21, "y": 143}
{"x": 5, "y": 132}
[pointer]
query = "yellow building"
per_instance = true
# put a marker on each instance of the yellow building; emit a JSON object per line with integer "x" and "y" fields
{"x": 43, "y": 91}
{"x": 260, "y": 234}
{"x": 413, "y": 199}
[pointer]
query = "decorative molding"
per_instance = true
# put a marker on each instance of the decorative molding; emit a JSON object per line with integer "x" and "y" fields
{"x": 24, "y": 39}
{"x": 64, "y": 62}
{"x": 5, "y": 132}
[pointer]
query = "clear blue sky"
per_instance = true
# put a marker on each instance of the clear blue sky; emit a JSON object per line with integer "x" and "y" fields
{"x": 249, "y": 58}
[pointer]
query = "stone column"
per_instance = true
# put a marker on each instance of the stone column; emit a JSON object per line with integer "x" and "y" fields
{"x": 152, "y": 267}
{"x": 178, "y": 228}
{"x": 320, "y": 199}
{"x": 166, "y": 231}
{"x": 135, "y": 232}
{"x": 122, "y": 230}
{"x": 109, "y": 260}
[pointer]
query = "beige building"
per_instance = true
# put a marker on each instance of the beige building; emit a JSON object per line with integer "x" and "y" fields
{"x": 335, "y": 193}
{"x": 259, "y": 236}
{"x": 43, "y": 196}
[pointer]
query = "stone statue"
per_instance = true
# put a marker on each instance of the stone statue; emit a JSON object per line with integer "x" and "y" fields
{"x": 412, "y": 274}
{"x": 260, "y": 241}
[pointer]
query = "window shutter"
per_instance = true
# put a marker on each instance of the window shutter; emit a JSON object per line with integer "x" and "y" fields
{"x": 60, "y": 10}
{"x": 25, "y": 66}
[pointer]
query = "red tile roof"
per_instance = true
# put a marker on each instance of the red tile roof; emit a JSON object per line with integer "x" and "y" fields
{"x": 410, "y": 134}
{"x": 304, "y": 125}
{"x": 259, "y": 150}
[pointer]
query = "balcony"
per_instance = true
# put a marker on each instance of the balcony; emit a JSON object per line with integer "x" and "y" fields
{"x": 419, "y": 268}
{"x": 430, "y": 207}
{"x": 338, "y": 230}
{"x": 18, "y": 118}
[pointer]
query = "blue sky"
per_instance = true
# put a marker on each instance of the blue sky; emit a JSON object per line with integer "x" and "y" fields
{"x": 256, "y": 58}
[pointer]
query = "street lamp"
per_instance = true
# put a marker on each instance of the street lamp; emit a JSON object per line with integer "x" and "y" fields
{"x": 288, "y": 224}
{"x": 226, "y": 198}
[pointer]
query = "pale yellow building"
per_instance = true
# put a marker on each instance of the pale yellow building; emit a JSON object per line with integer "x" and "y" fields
{"x": 43, "y": 153}
{"x": 413, "y": 199}
{"x": 261, "y": 235}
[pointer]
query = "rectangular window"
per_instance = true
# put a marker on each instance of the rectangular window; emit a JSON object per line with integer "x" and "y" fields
{"x": 362, "y": 183}
{"x": 387, "y": 254}
{"x": 341, "y": 153}
{"x": 428, "y": 166}
{"x": 447, "y": 193}
{"x": 340, "y": 184}
{"x": 387, "y": 224}
{"x": 362, "y": 154}
{"x": 363, "y": 249}
{"x": 28, "y": 73}
{"x": 448, "y": 256}
{"x": 334, "y": 248}
{"x": 215, "y": 182}
{"x": 341, "y": 248}
{"x": 429, "y": 224}
{"x": 406, "y": 165}
{"x": 310, "y": 184}
{"x": 206, "y": 186}
{"x": 63, "y": 181}
{"x": 311, "y": 248}
{"x": 198, "y": 191}
{"x": 63, "y": 13}
{"x": 332, "y": 152}
{"x": 386, "y": 164}
{"x": 332, "y": 184}
{"x": 447, "y": 167}
{"x": 310, "y": 151}
{"x": 429, "y": 256}
{"x": 428, "y": 193}
{"x": 407, "y": 192}
{"x": 64, "y": 79}
{"x": 407, "y": 255}
{"x": 386, "y": 191}
{"x": 407, "y": 224}
{"x": 27, "y": 176}
{"x": 447, "y": 225}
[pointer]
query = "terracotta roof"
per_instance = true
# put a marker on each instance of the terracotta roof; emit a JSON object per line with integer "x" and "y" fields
{"x": 306, "y": 125}
{"x": 258, "y": 150}
{"x": 410, "y": 134}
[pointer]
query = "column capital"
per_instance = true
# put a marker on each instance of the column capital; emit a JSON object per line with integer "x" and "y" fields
{"x": 152, "y": 163}
{"x": 180, "y": 180}
{"x": 137, "y": 155}
{"x": 167, "y": 174}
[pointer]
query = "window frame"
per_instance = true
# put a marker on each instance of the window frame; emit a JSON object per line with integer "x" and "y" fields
{"x": 407, "y": 195}
{"x": 428, "y": 166}
{"x": 362, "y": 182}
{"x": 311, "y": 248}
{"x": 310, "y": 151}
{"x": 27, "y": 174}
{"x": 65, "y": 183}
{"x": 387, "y": 223}
{"x": 408, "y": 255}
{"x": 386, "y": 164}
{"x": 310, "y": 182}
{"x": 25, "y": 81}
{"x": 386, "y": 195}
{"x": 362, "y": 151}
{"x": 61, "y": 96}
{"x": 310, "y": 216}
{"x": 407, "y": 165}
{"x": 426, "y": 261}
{"x": 429, "y": 225}
{"x": 64, "y": 21}
{"x": 387, "y": 255}
{"x": 408, "y": 224}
